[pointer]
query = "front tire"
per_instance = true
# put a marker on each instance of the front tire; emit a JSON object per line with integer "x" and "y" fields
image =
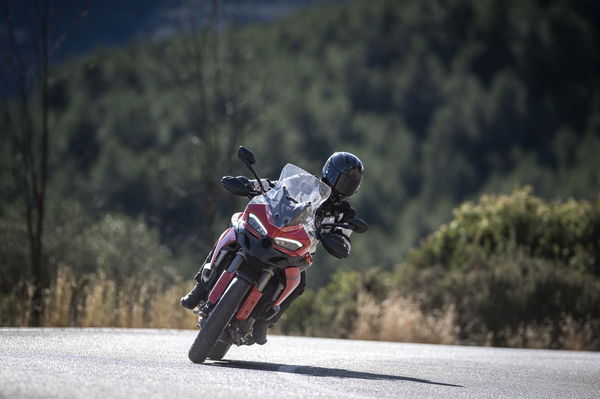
{"x": 218, "y": 350}
{"x": 218, "y": 320}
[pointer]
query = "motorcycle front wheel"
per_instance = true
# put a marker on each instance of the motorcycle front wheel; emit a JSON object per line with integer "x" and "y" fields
{"x": 218, "y": 320}
{"x": 218, "y": 350}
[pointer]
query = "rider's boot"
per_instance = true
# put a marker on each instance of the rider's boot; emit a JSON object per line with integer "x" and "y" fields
{"x": 194, "y": 297}
{"x": 259, "y": 332}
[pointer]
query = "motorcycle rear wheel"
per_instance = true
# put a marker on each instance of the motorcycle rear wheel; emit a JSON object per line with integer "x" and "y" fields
{"x": 218, "y": 320}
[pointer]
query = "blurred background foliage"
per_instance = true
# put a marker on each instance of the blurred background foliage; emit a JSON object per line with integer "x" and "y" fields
{"x": 443, "y": 101}
{"x": 507, "y": 270}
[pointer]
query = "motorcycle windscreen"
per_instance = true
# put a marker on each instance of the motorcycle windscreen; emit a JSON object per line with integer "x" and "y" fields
{"x": 295, "y": 198}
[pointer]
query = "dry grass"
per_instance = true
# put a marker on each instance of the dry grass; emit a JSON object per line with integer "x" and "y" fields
{"x": 572, "y": 335}
{"x": 96, "y": 301}
{"x": 399, "y": 319}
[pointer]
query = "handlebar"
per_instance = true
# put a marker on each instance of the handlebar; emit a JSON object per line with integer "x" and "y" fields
{"x": 343, "y": 225}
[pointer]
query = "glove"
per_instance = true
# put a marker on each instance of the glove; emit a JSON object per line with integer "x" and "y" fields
{"x": 336, "y": 244}
{"x": 347, "y": 211}
{"x": 245, "y": 181}
{"x": 239, "y": 185}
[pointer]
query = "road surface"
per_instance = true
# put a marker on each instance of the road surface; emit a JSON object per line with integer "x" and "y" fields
{"x": 136, "y": 363}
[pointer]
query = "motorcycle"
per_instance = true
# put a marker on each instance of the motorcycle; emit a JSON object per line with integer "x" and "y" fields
{"x": 256, "y": 263}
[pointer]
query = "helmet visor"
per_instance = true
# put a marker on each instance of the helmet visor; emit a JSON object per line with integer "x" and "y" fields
{"x": 346, "y": 185}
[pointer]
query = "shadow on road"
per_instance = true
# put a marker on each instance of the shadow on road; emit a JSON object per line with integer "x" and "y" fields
{"x": 319, "y": 371}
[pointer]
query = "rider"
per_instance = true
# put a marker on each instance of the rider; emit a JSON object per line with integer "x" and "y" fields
{"x": 343, "y": 172}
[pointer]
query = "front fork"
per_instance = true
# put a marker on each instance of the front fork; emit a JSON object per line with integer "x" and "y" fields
{"x": 292, "y": 281}
{"x": 225, "y": 279}
{"x": 256, "y": 293}
{"x": 220, "y": 286}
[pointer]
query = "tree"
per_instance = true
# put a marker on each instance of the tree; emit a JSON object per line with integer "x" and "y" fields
{"x": 216, "y": 98}
{"x": 25, "y": 117}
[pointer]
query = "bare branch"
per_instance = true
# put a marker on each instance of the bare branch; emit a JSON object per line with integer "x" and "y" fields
{"x": 12, "y": 43}
{"x": 35, "y": 29}
{"x": 82, "y": 14}
{"x": 31, "y": 139}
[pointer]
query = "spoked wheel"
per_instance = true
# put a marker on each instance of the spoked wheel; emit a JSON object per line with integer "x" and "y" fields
{"x": 216, "y": 323}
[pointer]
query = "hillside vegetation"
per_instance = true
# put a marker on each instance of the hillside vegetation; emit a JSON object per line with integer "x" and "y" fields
{"x": 508, "y": 270}
{"x": 442, "y": 100}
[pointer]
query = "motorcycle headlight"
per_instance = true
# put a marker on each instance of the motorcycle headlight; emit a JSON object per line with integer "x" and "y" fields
{"x": 287, "y": 243}
{"x": 254, "y": 221}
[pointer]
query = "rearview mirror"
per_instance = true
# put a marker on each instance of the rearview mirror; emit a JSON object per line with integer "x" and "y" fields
{"x": 246, "y": 156}
{"x": 358, "y": 225}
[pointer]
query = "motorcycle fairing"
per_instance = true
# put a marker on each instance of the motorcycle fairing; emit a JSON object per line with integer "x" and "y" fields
{"x": 297, "y": 232}
{"x": 292, "y": 277}
{"x": 220, "y": 286}
{"x": 228, "y": 237}
{"x": 249, "y": 304}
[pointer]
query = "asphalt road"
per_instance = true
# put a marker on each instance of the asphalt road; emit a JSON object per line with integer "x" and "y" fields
{"x": 113, "y": 363}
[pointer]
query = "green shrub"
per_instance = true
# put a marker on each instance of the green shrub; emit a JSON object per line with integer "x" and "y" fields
{"x": 568, "y": 232}
{"x": 121, "y": 250}
{"x": 509, "y": 262}
{"x": 332, "y": 311}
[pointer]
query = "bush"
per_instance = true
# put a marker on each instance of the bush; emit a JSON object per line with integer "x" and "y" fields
{"x": 333, "y": 310}
{"x": 510, "y": 266}
{"x": 566, "y": 232}
{"x": 84, "y": 256}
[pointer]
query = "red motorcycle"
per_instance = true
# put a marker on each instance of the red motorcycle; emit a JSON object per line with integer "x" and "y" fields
{"x": 257, "y": 262}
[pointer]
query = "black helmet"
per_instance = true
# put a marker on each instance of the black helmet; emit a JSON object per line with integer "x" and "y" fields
{"x": 343, "y": 172}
